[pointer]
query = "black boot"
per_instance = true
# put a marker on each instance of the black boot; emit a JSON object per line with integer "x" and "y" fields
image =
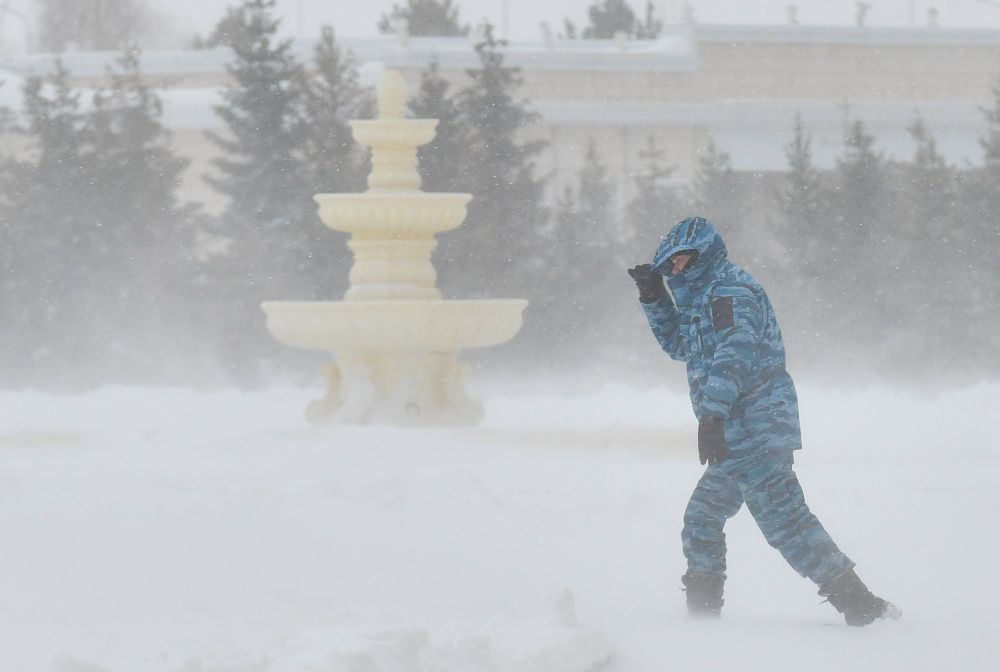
{"x": 704, "y": 594}
{"x": 851, "y": 597}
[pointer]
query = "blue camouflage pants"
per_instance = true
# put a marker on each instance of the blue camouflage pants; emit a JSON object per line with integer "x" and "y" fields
{"x": 766, "y": 482}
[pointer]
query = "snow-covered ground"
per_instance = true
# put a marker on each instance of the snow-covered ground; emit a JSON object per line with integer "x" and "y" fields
{"x": 174, "y": 531}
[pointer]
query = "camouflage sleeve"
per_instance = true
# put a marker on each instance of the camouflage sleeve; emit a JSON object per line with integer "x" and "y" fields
{"x": 666, "y": 325}
{"x": 737, "y": 318}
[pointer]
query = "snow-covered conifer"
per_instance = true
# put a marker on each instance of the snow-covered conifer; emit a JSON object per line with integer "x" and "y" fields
{"x": 229, "y": 30}
{"x": 650, "y": 27}
{"x": 860, "y": 190}
{"x": 801, "y": 201}
{"x": 655, "y": 205}
{"x": 425, "y": 18}
{"x": 977, "y": 227}
{"x": 609, "y": 17}
{"x": 855, "y": 246}
{"x": 496, "y": 251}
{"x": 92, "y": 24}
{"x": 584, "y": 273}
{"x": 260, "y": 170}
{"x": 332, "y": 161}
{"x": 333, "y": 95}
{"x": 723, "y": 196}
{"x": 146, "y": 233}
{"x": 441, "y": 159}
{"x": 52, "y": 199}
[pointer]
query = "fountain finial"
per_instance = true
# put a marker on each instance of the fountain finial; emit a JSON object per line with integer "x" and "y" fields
{"x": 393, "y": 138}
{"x": 391, "y": 95}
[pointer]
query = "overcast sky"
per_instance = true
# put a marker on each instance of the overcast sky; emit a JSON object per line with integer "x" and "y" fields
{"x": 352, "y": 18}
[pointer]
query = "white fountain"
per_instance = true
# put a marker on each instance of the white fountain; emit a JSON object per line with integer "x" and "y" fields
{"x": 395, "y": 341}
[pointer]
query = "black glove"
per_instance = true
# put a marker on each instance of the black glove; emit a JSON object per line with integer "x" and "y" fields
{"x": 649, "y": 282}
{"x": 712, "y": 446}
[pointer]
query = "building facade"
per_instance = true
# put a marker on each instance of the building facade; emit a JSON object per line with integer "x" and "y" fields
{"x": 739, "y": 86}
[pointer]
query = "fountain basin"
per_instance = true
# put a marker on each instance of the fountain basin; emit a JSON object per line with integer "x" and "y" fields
{"x": 393, "y": 133}
{"x": 392, "y": 215}
{"x": 404, "y": 326}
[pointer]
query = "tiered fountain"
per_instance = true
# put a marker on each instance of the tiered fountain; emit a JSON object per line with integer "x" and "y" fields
{"x": 395, "y": 341}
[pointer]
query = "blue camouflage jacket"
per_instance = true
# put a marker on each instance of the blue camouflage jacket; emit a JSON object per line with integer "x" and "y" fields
{"x": 721, "y": 323}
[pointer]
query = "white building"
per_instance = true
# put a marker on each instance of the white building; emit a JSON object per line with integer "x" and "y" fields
{"x": 738, "y": 85}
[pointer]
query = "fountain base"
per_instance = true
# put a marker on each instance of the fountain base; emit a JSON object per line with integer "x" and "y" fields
{"x": 403, "y": 389}
{"x": 395, "y": 362}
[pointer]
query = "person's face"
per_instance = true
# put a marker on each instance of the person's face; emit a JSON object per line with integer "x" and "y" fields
{"x": 680, "y": 261}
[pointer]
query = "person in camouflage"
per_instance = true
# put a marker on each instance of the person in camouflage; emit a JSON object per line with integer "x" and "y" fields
{"x": 721, "y": 324}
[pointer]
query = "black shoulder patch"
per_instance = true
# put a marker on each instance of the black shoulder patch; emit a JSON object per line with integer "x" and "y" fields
{"x": 722, "y": 313}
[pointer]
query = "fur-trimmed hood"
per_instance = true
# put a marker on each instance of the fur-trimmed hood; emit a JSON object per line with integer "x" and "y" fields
{"x": 694, "y": 234}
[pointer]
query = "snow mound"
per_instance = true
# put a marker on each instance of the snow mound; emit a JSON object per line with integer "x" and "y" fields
{"x": 558, "y": 643}
{"x": 511, "y": 647}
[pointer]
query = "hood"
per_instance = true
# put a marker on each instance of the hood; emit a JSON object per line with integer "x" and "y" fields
{"x": 694, "y": 234}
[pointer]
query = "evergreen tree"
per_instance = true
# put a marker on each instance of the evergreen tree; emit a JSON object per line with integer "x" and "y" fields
{"x": 608, "y": 17}
{"x": 711, "y": 184}
{"x": 569, "y": 29}
{"x": 596, "y": 203}
{"x": 801, "y": 205}
{"x": 568, "y": 231}
{"x": 52, "y": 194}
{"x": 587, "y": 233}
{"x": 860, "y": 190}
{"x": 929, "y": 223}
{"x": 260, "y": 170}
{"x": 495, "y": 252}
{"x": 91, "y": 24}
{"x": 425, "y": 18}
{"x": 990, "y": 141}
{"x": 564, "y": 305}
{"x": 857, "y": 259}
{"x": 13, "y": 232}
{"x": 569, "y": 235}
{"x": 582, "y": 303}
{"x": 799, "y": 256}
{"x": 589, "y": 241}
{"x": 654, "y": 208}
{"x": 333, "y": 162}
{"x": 931, "y": 197}
{"x": 650, "y": 27}
{"x": 230, "y": 30}
{"x": 146, "y": 235}
{"x": 441, "y": 159}
{"x": 718, "y": 193}
{"x": 978, "y": 246}
{"x": 333, "y": 96}
{"x": 102, "y": 246}
{"x": 138, "y": 171}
